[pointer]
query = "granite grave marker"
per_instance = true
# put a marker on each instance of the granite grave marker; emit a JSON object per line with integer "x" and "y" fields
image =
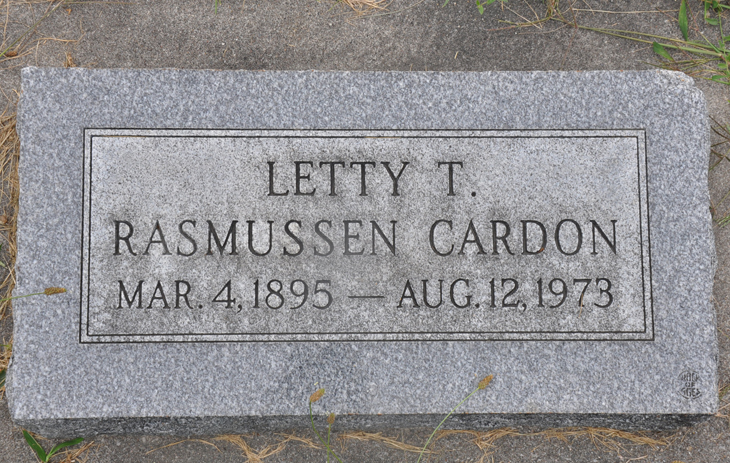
{"x": 232, "y": 241}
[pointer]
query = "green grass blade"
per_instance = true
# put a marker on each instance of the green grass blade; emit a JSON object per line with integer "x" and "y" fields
{"x": 722, "y": 222}
{"x": 420, "y": 455}
{"x": 724, "y": 391}
{"x": 35, "y": 446}
{"x": 445, "y": 3}
{"x": 694, "y": 42}
{"x": 683, "y": 23}
{"x": 2, "y": 377}
{"x": 659, "y": 50}
{"x": 62, "y": 445}
{"x": 329, "y": 449}
{"x": 31, "y": 28}
{"x": 329, "y": 429}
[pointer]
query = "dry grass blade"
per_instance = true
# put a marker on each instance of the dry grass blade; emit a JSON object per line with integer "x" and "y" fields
{"x": 635, "y": 438}
{"x": 180, "y": 442}
{"x": 363, "y": 7}
{"x": 721, "y": 151}
{"x": 77, "y": 455}
{"x": 69, "y": 61}
{"x": 252, "y": 455}
{"x": 307, "y": 442}
{"x": 6, "y": 351}
{"x": 18, "y": 43}
{"x": 610, "y": 439}
{"x": 378, "y": 437}
{"x": 452, "y": 432}
{"x": 9, "y": 189}
{"x": 485, "y": 440}
{"x": 722, "y": 131}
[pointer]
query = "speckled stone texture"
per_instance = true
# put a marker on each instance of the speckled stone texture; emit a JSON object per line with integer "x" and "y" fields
{"x": 601, "y": 146}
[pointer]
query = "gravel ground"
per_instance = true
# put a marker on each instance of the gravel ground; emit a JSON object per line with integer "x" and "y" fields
{"x": 409, "y": 35}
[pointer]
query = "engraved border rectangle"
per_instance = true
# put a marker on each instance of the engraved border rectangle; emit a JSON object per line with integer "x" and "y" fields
{"x": 647, "y": 334}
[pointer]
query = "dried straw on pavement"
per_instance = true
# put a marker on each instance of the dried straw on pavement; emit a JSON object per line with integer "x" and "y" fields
{"x": 9, "y": 149}
{"x": 364, "y": 7}
{"x": 252, "y": 455}
{"x": 609, "y": 439}
{"x": 79, "y": 455}
{"x": 5, "y": 352}
{"x": 302, "y": 440}
{"x": 378, "y": 437}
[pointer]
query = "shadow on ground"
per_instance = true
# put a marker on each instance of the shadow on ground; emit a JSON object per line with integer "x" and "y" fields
{"x": 324, "y": 35}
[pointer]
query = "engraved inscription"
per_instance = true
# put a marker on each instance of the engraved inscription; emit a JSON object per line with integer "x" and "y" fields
{"x": 331, "y": 235}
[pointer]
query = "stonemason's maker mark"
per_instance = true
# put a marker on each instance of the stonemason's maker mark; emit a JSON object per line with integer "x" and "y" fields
{"x": 688, "y": 385}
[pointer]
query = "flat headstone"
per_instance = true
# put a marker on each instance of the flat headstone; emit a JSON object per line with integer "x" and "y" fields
{"x": 232, "y": 241}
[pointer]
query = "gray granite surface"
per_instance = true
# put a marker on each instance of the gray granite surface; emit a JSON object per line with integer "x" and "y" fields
{"x": 602, "y": 146}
